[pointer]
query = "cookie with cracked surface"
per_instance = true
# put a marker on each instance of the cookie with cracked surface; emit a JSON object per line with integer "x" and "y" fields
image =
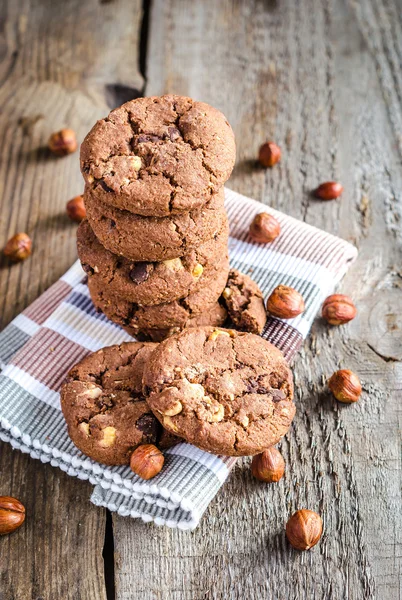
{"x": 244, "y": 302}
{"x": 154, "y": 238}
{"x": 177, "y": 313}
{"x": 149, "y": 283}
{"x": 158, "y": 156}
{"x": 224, "y": 391}
{"x": 106, "y": 413}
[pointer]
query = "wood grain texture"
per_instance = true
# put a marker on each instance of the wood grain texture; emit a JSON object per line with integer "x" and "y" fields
{"x": 57, "y": 552}
{"x": 323, "y": 79}
{"x": 62, "y": 64}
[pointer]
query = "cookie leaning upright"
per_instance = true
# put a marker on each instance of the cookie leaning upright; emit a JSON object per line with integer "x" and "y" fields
{"x": 158, "y": 156}
{"x": 224, "y": 391}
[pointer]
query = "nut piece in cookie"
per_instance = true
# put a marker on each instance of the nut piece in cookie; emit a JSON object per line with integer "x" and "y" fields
{"x": 102, "y": 401}
{"x": 224, "y": 391}
{"x": 244, "y": 302}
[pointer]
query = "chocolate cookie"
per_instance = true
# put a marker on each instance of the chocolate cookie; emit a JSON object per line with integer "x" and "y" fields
{"x": 158, "y": 156}
{"x": 160, "y": 316}
{"x": 215, "y": 316}
{"x": 224, "y": 391}
{"x": 152, "y": 238}
{"x": 149, "y": 283}
{"x": 244, "y": 302}
{"x": 106, "y": 414}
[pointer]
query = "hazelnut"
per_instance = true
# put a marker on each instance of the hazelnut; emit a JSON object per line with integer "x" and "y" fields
{"x": 219, "y": 332}
{"x": 216, "y": 414}
{"x": 174, "y": 409}
{"x": 285, "y": 302}
{"x": 135, "y": 162}
{"x": 269, "y": 154}
{"x": 146, "y": 461}
{"x": 174, "y": 264}
{"x": 197, "y": 271}
{"x": 18, "y": 247}
{"x": 304, "y": 529}
{"x": 328, "y": 190}
{"x": 169, "y": 424}
{"x": 12, "y": 514}
{"x": 63, "y": 142}
{"x": 345, "y": 386}
{"x": 75, "y": 209}
{"x": 264, "y": 228}
{"x": 109, "y": 437}
{"x": 268, "y": 466}
{"x": 338, "y": 309}
{"x": 84, "y": 428}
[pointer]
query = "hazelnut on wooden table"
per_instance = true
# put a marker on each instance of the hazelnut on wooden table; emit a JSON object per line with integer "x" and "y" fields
{"x": 147, "y": 461}
{"x": 345, "y": 386}
{"x": 338, "y": 309}
{"x": 269, "y": 154}
{"x": 304, "y": 529}
{"x": 18, "y": 247}
{"x": 264, "y": 228}
{"x": 75, "y": 209}
{"x": 63, "y": 142}
{"x": 269, "y": 466}
{"x": 330, "y": 190}
{"x": 285, "y": 302}
{"x": 12, "y": 514}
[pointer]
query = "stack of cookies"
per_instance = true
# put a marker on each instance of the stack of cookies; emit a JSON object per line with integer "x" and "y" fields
{"x": 154, "y": 244}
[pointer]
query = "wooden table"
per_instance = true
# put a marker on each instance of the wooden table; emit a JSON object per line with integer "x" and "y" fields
{"x": 322, "y": 78}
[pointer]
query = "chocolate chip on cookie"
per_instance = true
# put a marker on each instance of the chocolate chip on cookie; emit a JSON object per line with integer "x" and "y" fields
{"x": 140, "y": 272}
{"x": 106, "y": 413}
{"x": 244, "y": 302}
{"x": 224, "y": 391}
{"x": 158, "y": 156}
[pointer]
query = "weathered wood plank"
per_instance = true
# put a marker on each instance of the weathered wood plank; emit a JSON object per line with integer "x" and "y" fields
{"x": 324, "y": 81}
{"x": 61, "y": 64}
{"x": 57, "y": 553}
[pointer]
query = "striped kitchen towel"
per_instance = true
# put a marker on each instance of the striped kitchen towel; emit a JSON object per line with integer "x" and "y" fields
{"x": 40, "y": 345}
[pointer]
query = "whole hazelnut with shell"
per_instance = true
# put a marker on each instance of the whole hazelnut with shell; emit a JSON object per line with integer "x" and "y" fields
{"x": 269, "y": 466}
{"x": 264, "y": 228}
{"x": 285, "y": 302}
{"x": 304, "y": 529}
{"x": 18, "y": 247}
{"x": 269, "y": 154}
{"x": 338, "y": 309}
{"x": 146, "y": 461}
{"x": 345, "y": 386}
{"x": 329, "y": 190}
{"x": 75, "y": 209}
{"x": 63, "y": 142}
{"x": 12, "y": 514}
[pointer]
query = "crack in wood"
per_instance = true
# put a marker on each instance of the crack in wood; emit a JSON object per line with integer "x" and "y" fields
{"x": 383, "y": 356}
{"x": 108, "y": 558}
